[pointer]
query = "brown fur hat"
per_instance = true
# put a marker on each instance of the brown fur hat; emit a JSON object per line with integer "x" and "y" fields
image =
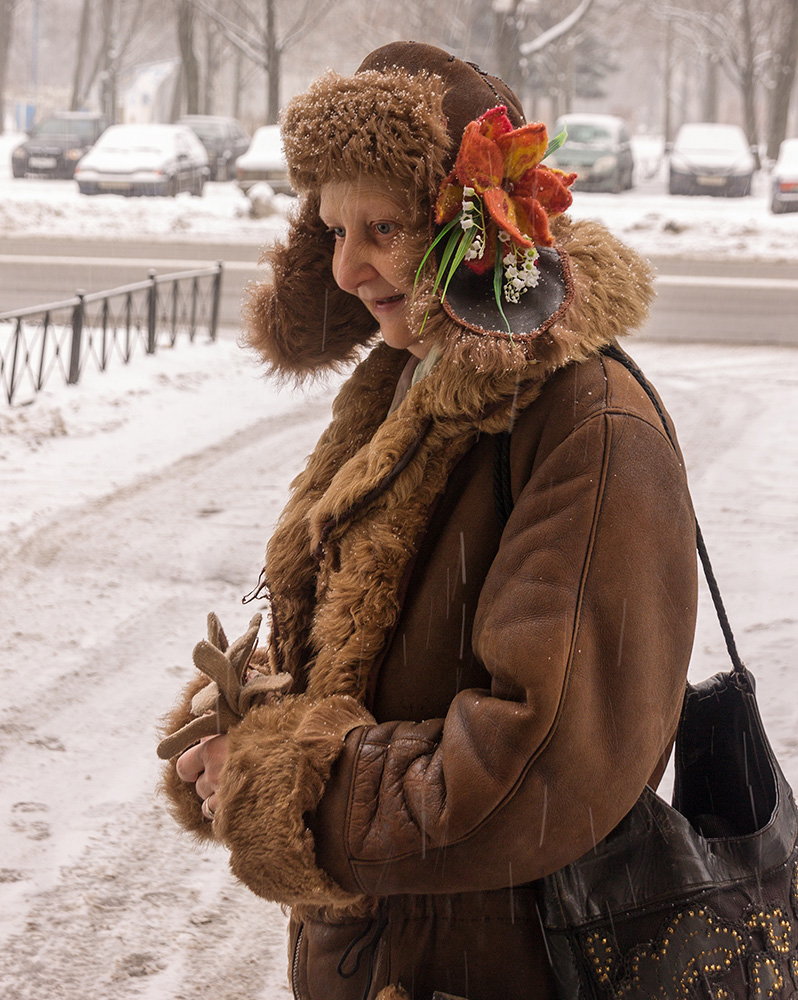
{"x": 400, "y": 117}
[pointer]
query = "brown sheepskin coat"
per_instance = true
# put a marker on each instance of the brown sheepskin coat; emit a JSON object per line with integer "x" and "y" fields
{"x": 472, "y": 708}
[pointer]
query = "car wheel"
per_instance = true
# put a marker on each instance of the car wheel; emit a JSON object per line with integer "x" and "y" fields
{"x": 18, "y": 170}
{"x": 172, "y": 187}
{"x": 674, "y": 187}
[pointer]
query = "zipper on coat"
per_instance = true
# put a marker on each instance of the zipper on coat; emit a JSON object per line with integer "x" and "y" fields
{"x": 295, "y": 966}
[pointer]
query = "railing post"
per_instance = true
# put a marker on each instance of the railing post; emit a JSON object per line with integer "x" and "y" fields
{"x": 12, "y": 379}
{"x": 217, "y": 294}
{"x": 77, "y": 336}
{"x": 152, "y": 312}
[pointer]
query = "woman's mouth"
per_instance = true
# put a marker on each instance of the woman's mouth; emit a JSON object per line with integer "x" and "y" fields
{"x": 389, "y": 302}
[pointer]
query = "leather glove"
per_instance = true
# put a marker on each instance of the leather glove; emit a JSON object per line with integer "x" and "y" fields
{"x": 234, "y": 684}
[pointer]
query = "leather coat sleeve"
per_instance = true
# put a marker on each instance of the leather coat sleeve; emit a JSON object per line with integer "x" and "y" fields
{"x": 585, "y": 625}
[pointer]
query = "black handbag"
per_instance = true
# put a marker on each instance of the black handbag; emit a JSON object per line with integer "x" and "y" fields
{"x": 698, "y": 899}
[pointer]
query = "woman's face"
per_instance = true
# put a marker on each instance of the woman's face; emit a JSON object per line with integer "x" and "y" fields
{"x": 374, "y": 236}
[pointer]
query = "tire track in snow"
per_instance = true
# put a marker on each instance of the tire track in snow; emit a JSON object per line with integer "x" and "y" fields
{"x": 100, "y": 895}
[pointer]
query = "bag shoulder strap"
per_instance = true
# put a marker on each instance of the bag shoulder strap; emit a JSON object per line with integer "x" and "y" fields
{"x": 503, "y": 498}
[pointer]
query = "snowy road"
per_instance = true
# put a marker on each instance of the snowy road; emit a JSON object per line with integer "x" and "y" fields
{"x": 105, "y": 589}
{"x": 99, "y": 897}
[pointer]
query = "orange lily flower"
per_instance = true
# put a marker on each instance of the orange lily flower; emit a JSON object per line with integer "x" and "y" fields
{"x": 502, "y": 166}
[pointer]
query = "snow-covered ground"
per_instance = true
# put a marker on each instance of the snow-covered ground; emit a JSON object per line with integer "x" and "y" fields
{"x": 142, "y": 498}
{"x": 647, "y": 217}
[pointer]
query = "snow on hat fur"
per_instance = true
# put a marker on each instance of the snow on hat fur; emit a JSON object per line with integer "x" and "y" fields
{"x": 399, "y": 118}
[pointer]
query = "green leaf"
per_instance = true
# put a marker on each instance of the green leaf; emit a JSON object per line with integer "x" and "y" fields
{"x": 459, "y": 257}
{"x": 435, "y": 242}
{"x": 498, "y": 274}
{"x": 556, "y": 142}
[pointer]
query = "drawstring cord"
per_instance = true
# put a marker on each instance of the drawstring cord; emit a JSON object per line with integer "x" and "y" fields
{"x": 369, "y": 946}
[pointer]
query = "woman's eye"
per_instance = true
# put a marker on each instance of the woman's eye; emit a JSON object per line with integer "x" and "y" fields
{"x": 384, "y": 228}
{"x": 338, "y": 232}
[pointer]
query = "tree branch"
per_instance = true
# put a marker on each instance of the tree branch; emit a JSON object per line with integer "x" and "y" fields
{"x": 557, "y": 31}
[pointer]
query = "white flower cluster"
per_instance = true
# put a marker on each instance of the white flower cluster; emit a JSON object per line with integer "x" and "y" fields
{"x": 520, "y": 272}
{"x": 473, "y": 219}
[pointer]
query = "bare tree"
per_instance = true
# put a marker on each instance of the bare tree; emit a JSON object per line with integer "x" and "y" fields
{"x": 6, "y": 28}
{"x": 185, "y": 13}
{"x": 101, "y": 56}
{"x": 255, "y": 33}
{"x": 756, "y": 44}
{"x": 785, "y": 56}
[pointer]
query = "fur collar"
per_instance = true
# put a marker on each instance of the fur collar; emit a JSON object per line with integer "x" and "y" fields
{"x": 336, "y": 560}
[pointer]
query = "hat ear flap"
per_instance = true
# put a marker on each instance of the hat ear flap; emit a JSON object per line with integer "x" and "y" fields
{"x": 299, "y": 320}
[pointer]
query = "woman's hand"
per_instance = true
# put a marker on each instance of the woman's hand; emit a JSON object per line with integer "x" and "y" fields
{"x": 202, "y": 765}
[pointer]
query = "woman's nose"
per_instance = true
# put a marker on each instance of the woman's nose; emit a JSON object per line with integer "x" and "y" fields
{"x": 352, "y": 265}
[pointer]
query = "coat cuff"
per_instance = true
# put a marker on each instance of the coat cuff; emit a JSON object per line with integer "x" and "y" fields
{"x": 184, "y": 803}
{"x": 280, "y": 759}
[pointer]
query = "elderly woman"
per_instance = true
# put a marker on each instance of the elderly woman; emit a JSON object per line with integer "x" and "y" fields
{"x": 482, "y": 589}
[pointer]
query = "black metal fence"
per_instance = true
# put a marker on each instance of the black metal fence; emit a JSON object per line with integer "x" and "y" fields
{"x": 91, "y": 330}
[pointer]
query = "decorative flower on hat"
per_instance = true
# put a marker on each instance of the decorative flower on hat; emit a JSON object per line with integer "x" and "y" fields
{"x": 502, "y": 197}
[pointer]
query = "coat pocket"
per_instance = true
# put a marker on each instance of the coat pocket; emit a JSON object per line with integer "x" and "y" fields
{"x": 339, "y": 961}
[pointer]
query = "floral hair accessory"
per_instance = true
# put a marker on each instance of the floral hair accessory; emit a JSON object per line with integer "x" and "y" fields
{"x": 496, "y": 203}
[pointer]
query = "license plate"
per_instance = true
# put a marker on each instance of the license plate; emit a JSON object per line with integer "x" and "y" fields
{"x": 712, "y": 181}
{"x": 113, "y": 185}
{"x": 42, "y": 162}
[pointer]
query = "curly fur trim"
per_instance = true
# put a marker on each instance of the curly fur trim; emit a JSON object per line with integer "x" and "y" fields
{"x": 280, "y": 758}
{"x": 388, "y": 124}
{"x": 184, "y": 803}
{"x": 299, "y": 320}
{"x": 393, "y": 993}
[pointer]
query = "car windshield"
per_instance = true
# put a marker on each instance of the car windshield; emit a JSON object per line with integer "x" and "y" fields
{"x": 788, "y": 155}
{"x": 207, "y": 130}
{"x": 131, "y": 148}
{"x": 136, "y": 139}
{"x": 83, "y": 130}
{"x": 267, "y": 140}
{"x": 707, "y": 140}
{"x": 588, "y": 134}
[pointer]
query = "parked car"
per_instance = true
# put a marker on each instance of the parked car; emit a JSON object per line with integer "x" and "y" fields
{"x": 784, "y": 194}
{"x": 264, "y": 161}
{"x": 57, "y": 144}
{"x": 144, "y": 159}
{"x": 598, "y": 149}
{"x": 711, "y": 158}
{"x": 224, "y": 139}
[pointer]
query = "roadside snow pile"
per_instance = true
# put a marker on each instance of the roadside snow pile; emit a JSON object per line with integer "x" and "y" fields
{"x": 37, "y": 206}
{"x": 648, "y": 218}
{"x": 71, "y": 444}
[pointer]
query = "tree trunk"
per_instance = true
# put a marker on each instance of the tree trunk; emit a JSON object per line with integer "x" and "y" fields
{"x": 748, "y": 77}
{"x": 81, "y": 55}
{"x": 272, "y": 64}
{"x": 667, "y": 84}
{"x": 507, "y": 53}
{"x": 208, "y": 95}
{"x": 238, "y": 82}
{"x": 710, "y": 102}
{"x": 185, "y": 38}
{"x": 785, "y": 66}
{"x": 6, "y": 25}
